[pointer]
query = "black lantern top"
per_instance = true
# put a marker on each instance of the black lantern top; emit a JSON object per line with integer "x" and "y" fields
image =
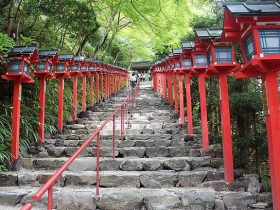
{"x": 24, "y": 51}
{"x": 177, "y": 52}
{"x": 48, "y": 53}
{"x": 208, "y": 33}
{"x": 79, "y": 59}
{"x": 188, "y": 45}
{"x": 66, "y": 58}
{"x": 253, "y": 8}
{"x": 90, "y": 60}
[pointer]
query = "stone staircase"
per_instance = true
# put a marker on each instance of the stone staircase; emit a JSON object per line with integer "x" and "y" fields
{"x": 157, "y": 166}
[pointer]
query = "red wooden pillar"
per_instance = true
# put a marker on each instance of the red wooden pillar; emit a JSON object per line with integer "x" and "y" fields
{"x": 84, "y": 92}
{"x": 16, "y": 120}
{"x": 42, "y": 102}
{"x": 182, "y": 111}
{"x": 175, "y": 93}
{"x": 189, "y": 103}
{"x": 60, "y": 103}
{"x": 203, "y": 110}
{"x": 118, "y": 82}
{"x": 105, "y": 87}
{"x": 226, "y": 129}
{"x": 164, "y": 85}
{"x": 272, "y": 118}
{"x": 110, "y": 83}
{"x": 101, "y": 79}
{"x": 155, "y": 81}
{"x": 97, "y": 88}
{"x": 170, "y": 91}
{"x": 91, "y": 89}
{"x": 75, "y": 81}
{"x": 158, "y": 83}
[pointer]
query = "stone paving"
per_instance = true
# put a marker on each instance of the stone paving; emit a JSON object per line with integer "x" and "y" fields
{"x": 158, "y": 165}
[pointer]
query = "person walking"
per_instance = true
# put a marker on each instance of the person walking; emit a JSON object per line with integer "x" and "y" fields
{"x": 133, "y": 80}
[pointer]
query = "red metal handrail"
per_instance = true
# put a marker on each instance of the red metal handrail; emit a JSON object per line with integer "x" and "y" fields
{"x": 48, "y": 186}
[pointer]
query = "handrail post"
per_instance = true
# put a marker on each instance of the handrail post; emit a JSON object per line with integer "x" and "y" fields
{"x": 122, "y": 121}
{"x": 50, "y": 198}
{"x": 127, "y": 107}
{"x": 114, "y": 135}
{"x": 133, "y": 97}
{"x": 97, "y": 163}
{"x": 128, "y": 102}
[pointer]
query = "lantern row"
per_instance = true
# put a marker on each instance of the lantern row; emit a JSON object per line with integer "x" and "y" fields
{"x": 107, "y": 77}
{"x": 255, "y": 26}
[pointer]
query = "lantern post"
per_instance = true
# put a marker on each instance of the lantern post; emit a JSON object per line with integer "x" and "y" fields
{"x": 255, "y": 25}
{"x": 177, "y": 71}
{"x": 91, "y": 70}
{"x": 163, "y": 79}
{"x": 48, "y": 58}
{"x": 97, "y": 80}
{"x": 199, "y": 68}
{"x": 101, "y": 80}
{"x": 104, "y": 81}
{"x": 84, "y": 72}
{"x": 154, "y": 71}
{"x": 173, "y": 61}
{"x": 75, "y": 72}
{"x": 157, "y": 78}
{"x": 116, "y": 78}
{"x": 169, "y": 80}
{"x": 221, "y": 63}
{"x": 186, "y": 65}
{"x": 64, "y": 61}
{"x": 107, "y": 83}
{"x": 18, "y": 70}
{"x": 164, "y": 65}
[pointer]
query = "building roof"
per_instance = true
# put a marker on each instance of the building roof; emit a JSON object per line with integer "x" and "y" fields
{"x": 141, "y": 65}
{"x": 252, "y": 8}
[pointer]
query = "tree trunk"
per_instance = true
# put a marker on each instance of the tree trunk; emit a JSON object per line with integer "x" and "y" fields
{"x": 10, "y": 17}
{"x": 86, "y": 37}
{"x": 105, "y": 33}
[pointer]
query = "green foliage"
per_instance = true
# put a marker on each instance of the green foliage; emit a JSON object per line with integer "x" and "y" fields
{"x": 27, "y": 41}
{"x": 5, "y": 140}
{"x": 5, "y": 43}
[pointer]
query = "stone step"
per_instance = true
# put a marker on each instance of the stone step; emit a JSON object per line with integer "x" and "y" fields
{"x": 124, "y": 164}
{"x": 130, "y": 198}
{"x": 160, "y": 151}
{"x": 118, "y": 143}
{"x": 134, "y": 179}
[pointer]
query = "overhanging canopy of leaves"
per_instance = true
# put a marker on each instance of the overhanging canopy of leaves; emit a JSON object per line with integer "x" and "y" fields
{"x": 90, "y": 27}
